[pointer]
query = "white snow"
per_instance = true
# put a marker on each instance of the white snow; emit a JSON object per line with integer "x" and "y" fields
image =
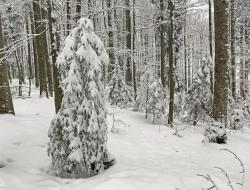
{"x": 149, "y": 157}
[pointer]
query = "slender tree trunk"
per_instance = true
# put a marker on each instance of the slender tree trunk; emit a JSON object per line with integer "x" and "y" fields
{"x": 128, "y": 42}
{"x": 34, "y": 43}
{"x": 54, "y": 44}
{"x": 162, "y": 44}
{"x": 171, "y": 63}
{"x": 233, "y": 65}
{"x": 221, "y": 83}
{"x": 29, "y": 54}
{"x": 46, "y": 51}
{"x": 242, "y": 67}
{"x": 68, "y": 17}
{"x": 133, "y": 54}
{"x": 6, "y": 104}
{"x": 110, "y": 39}
{"x": 78, "y": 9}
{"x": 41, "y": 49}
{"x": 211, "y": 45}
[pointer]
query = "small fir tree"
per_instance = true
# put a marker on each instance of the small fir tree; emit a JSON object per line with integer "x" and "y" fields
{"x": 146, "y": 80}
{"x": 156, "y": 104}
{"x": 198, "y": 99}
{"x": 78, "y": 133}
{"x": 120, "y": 93}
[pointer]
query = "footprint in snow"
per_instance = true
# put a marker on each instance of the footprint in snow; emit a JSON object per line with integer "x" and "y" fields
{"x": 17, "y": 143}
{"x": 9, "y": 160}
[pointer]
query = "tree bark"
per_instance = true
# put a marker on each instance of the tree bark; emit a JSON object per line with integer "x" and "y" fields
{"x": 233, "y": 65}
{"x": 128, "y": 42}
{"x": 221, "y": 83}
{"x": 171, "y": 63}
{"x": 41, "y": 51}
{"x": 54, "y": 44}
{"x": 6, "y": 104}
{"x": 162, "y": 44}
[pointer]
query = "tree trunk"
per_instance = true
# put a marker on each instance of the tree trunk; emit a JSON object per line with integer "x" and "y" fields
{"x": 110, "y": 39}
{"x": 41, "y": 49}
{"x": 34, "y": 43}
{"x": 29, "y": 54}
{"x": 211, "y": 45}
{"x": 171, "y": 63}
{"x": 54, "y": 43}
{"x": 162, "y": 44}
{"x": 6, "y": 104}
{"x": 78, "y": 9}
{"x": 221, "y": 83}
{"x": 68, "y": 17}
{"x": 133, "y": 54}
{"x": 242, "y": 63}
{"x": 128, "y": 42}
{"x": 233, "y": 65}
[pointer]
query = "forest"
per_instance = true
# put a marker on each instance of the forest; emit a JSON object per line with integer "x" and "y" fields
{"x": 124, "y": 94}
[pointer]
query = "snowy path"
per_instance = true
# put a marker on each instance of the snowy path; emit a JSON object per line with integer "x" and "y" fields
{"x": 148, "y": 157}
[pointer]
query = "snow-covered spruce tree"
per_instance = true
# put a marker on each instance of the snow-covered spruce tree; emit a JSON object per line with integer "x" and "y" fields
{"x": 198, "y": 99}
{"x": 120, "y": 94}
{"x": 78, "y": 133}
{"x": 146, "y": 80}
{"x": 156, "y": 104}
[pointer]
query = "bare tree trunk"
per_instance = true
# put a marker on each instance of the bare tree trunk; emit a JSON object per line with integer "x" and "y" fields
{"x": 41, "y": 49}
{"x": 34, "y": 43}
{"x": 133, "y": 54}
{"x": 29, "y": 54}
{"x": 221, "y": 83}
{"x": 162, "y": 44}
{"x": 54, "y": 44}
{"x": 242, "y": 63}
{"x": 171, "y": 63}
{"x": 211, "y": 45}
{"x": 6, "y": 104}
{"x": 233, "y": 65}
{"x": 78, "y": 9}
{"x": 128, "y": 42}
{"x": 110, "y": 39}
{"x": 68, "y": 17}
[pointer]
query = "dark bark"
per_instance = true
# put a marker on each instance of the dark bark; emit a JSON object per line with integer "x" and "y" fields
{"x": 128, "y": 42}
{"x": 233, "y": 65}
{"x": 78, "y": 9}
{"x": 54, "y": 44}
{"x": 34, "y": 44}
{"x": 211, "y": 44}
{"x": 162, "y": 44}
{"x": 110, "y": 39}
{"x": 6, "y": 104}
{"x": 40, "y": 48}
{"x": 221, "y": 83}
{"x": 171, "y": 63}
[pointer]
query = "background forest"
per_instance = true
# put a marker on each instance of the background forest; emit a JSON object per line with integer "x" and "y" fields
{"x": 179, "y": 63}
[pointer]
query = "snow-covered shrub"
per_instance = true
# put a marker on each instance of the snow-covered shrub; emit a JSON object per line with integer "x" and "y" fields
{"x": 156, "y": 103}
{"x": 216, "y": 133}
{"x": 143, "y": 93}
{"x": 198, "y": 100}
{"x": 120, "y": 94}
{"x": 239, "y": 113}
{"x": 78, "y": 133}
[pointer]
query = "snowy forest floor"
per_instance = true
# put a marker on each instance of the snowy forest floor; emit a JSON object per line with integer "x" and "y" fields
{"x": 149, "y": 157}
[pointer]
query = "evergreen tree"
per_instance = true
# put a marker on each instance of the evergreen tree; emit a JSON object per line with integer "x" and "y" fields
{"x": 78, "y": 133}
{"x": 156, "y": 103}
{"x": 198, "y": 99}
{"x": 120, "y": 93}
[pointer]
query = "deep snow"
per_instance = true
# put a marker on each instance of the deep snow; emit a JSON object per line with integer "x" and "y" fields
{"x": 149, "y": 157}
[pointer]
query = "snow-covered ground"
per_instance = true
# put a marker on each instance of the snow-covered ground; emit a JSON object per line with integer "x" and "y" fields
{"x": 149, "y": 157}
